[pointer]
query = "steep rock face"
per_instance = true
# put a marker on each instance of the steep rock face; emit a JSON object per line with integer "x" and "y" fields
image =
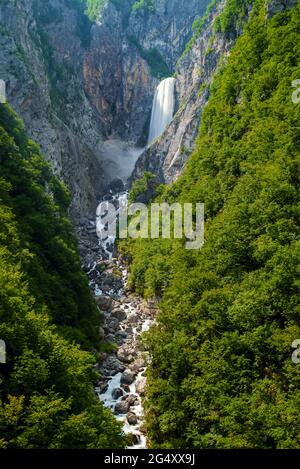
{"x": 166, "y": 27}
{"x": 131, "y": 50}
{"x": 167, "y": 156}
{"x": 41, "y": 61}
{"x": 74, "y": 83}
{"x": 118, "y": 81}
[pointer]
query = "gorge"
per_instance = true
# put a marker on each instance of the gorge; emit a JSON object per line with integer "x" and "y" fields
{"x": 141, "y": 343}
{"x": 123, "y": 382}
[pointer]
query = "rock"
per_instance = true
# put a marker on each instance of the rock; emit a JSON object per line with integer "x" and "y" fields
{"x": 135, "y": 439}
{"x": 113, "y": 324}
{"x": 108, "y": 281}
{"x": 125, "y": 354}
{"x": 121, "y": 335}
{"x": 128, "y": 377}
{"x": 138, "y": 365}
{"x": 119, "y": 314}
{"x": 104, "y": 302}
{"x": 132, "y": 419}
{"x": 121, "y": 407}
{"x": 103, "y": 386}
{"x": 126, "y": 387}
{"x": 113, "y": 364}
{"x": 115, "y": 186}
{"x": 141, "y": 386}
{"x": 117, "y": 393}
{"x": 132, "y": 399}
{"x": 133, "y": 319}
{"x": 110, "y": 338}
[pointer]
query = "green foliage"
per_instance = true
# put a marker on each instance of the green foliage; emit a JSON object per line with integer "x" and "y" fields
{"x": 233, "y": 16}
{"x": 147, "y": 6}
{"x": 46, "y": 310}
{"x": 94, "y": 8}
{"x": 221, "y": 374}
{"x": 198, "y": 26}
{"x": 140, "y": 186}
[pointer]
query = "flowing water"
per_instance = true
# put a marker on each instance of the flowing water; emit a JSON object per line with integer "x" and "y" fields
{"x": 126, "y": 316}
{"x": 162, "y": 109}
{"x": 134, "y": 320}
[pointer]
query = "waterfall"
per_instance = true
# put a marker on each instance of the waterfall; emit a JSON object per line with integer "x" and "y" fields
{"x": 162, "y": 109}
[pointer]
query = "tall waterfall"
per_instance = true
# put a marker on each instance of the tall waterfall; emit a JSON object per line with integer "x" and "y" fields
{"x": 162, "y": 109}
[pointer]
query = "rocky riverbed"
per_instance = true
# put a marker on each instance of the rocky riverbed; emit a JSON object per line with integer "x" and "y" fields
{"x": 126, "y": 316}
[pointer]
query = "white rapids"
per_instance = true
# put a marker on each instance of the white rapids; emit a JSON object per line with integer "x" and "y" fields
{"x": 134, "y": 319}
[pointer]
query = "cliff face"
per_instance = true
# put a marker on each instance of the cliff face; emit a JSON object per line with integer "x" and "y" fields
{"x": 41, "y": 61}
{"x": 118, "y": 81}
{"x": 131, "y": 50}
{"x": 75, "y": 83}
{"x": 167, "y": 156}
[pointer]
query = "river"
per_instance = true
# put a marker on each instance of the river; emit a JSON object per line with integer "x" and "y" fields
{"x": 126, "y": 316}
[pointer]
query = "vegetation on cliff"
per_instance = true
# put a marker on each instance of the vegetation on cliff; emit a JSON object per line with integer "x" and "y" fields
{"x": 48, "y": 318}
{"x": 221, "y": 374}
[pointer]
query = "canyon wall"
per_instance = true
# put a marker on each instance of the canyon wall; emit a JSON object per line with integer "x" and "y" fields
{"x": 75, "y": 83}
{"x": 41, "y": 62}
{"x": 195, "y": 70}
{"x": 131, "y": 51}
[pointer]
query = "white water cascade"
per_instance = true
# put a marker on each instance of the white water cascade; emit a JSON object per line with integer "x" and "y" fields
{"x": 162, "y": 109}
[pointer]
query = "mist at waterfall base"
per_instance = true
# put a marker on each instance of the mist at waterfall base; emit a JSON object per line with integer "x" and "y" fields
{"x": 162, "y": 109}
{"x": 119, "y": 158}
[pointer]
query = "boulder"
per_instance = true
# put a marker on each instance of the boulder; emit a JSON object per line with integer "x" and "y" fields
{"x": 117, "y": 393}
{"x": 110, "y": 338}
{"x": 121, "y": 407}
{"x": 104, "y": 302}
{"x": 126, "y": 354}
{"x": 135, "y": 439}
{"x": 138, "y": 365}
{"x": 132, "y": 399}
{"x": 119, "y": 314}
{"x": 128, "y": 377}
{"x": 141, "y": 386}
{"x": 132, "y": 419}
{"x": 126, "y": 387}
{"x": 117, "y": 185}
{"x": 112, "y": 324}
{"x": 114, "y": 365}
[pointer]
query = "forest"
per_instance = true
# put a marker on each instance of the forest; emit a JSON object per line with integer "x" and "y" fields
{"x": 221, "y": 374}
{"x": 48, "y": 318}
{"x": 142, "y": 343}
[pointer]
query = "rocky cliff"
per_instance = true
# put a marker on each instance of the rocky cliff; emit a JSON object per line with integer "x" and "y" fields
{"x": 43, "y": 45}
{"x": 131, "y": 50}
{"x": 167, "y": 156}
{"x": 75, "y": 83}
